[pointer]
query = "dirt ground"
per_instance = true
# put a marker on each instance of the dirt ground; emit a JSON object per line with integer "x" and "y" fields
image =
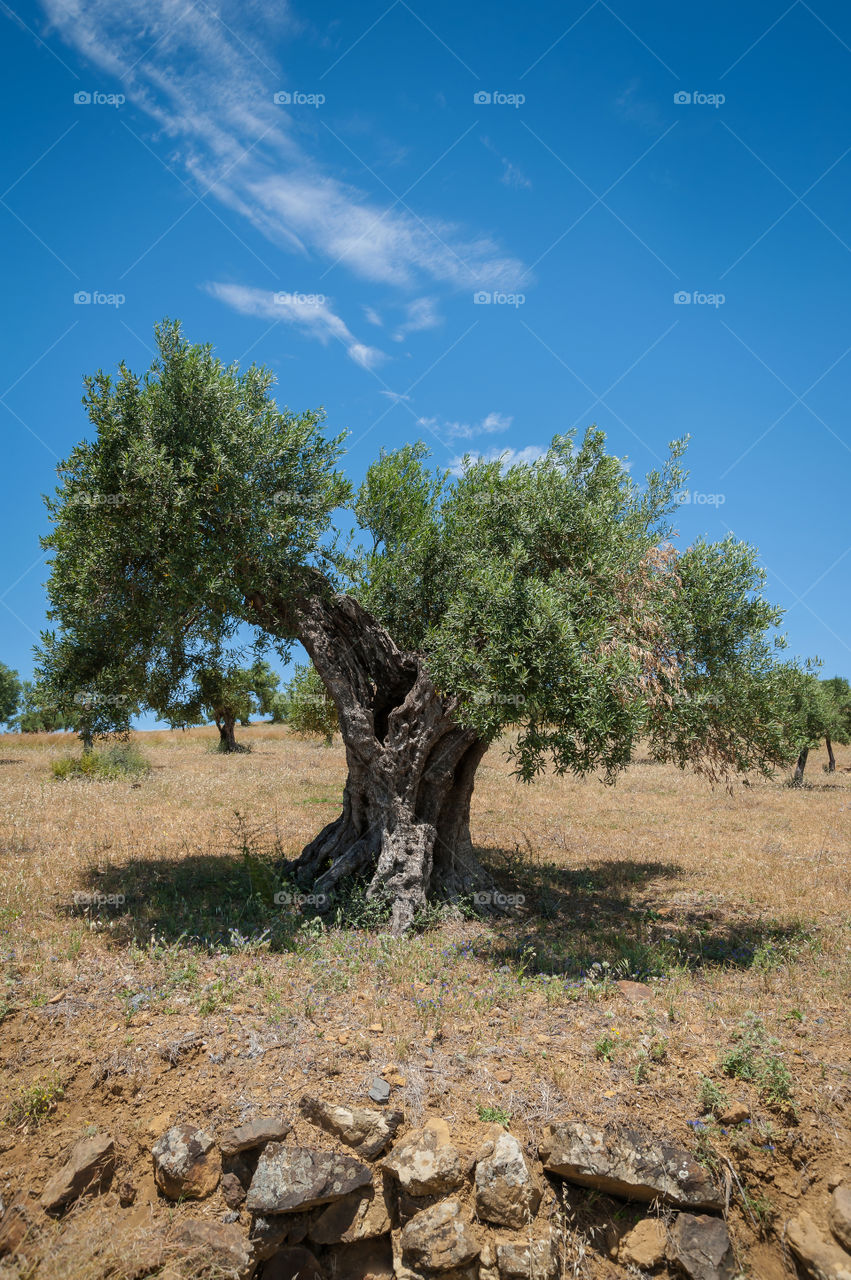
{"x": 150, "y": 977}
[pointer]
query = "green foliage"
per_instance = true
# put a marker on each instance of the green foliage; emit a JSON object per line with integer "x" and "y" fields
{"x": 10, "y": 693}
{"x": 118, "y": 761}
{"x": 310, "y": 710}
{"x": 494, "y": 1115}
{"x": 545, "y": 596}
{"x": 35, "y": 718}
{"x": 35, "y": 1102}
{"x": 711, "y": 1098}
{"x": 753, "y": 1057}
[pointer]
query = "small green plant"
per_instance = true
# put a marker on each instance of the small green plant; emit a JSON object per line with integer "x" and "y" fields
{"x": 658, "y": 1050}
{"x": 34, "y": 1103}
{"x": 494, "y": 1115}
{"x": 642, "y": 1068}
{"x": 120, "y": 760}
{"x": 606, "y": 1046}
{"x": 711, "y": 1098}
{"x": 753, "y": 1058}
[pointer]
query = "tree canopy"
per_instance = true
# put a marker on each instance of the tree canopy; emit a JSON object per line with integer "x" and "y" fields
{"x": 10, "y": 693}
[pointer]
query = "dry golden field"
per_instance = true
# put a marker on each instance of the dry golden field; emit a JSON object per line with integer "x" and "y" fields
{"x": 184, "y": 992}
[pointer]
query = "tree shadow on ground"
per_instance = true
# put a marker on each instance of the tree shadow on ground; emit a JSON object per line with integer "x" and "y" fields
{"x": 620, "y": 919}
{"x": 613, "y": 918}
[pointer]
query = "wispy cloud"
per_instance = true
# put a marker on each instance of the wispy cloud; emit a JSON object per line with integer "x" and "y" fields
{"x": 507, "y": 457}
{"x": 207, "y": 79}
{"x": 446, "y": 430}
{"x": 421, "y": 314}
{"x": 512, "y": 176}
{"x": 310, "y": 313}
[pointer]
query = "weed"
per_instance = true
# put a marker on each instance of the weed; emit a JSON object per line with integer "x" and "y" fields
{"x": 121, "y": 760}
{"x": 711, "y": 1098}
{"x": 606, "y": 1046}
{"x": 34, "y": 1103}
{"x": 753, "y": 1058}
{"x": 494, "y": 1115}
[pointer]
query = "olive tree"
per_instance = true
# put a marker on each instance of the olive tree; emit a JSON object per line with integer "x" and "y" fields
{"x": 308, "y": 707}
{"x": 10, "y": 693}
{"x": 547, "y": 597}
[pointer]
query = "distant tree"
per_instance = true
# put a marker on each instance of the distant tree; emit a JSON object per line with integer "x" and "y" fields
{"x": 838, "y": 729}
{"x": 10, "y": 693}
{"x": 310, "y": 708}
{"x": 226, "y": 693}
{"x": 32, "y": 717}
{"x": 546, "y": 597}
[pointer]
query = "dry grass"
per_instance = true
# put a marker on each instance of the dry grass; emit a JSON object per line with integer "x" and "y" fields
{"x": 152, "y": 1009}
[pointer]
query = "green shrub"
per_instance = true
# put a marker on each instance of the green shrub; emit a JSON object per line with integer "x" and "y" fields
{"x": 120, "y": 760}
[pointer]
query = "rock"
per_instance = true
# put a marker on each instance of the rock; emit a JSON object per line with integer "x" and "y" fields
{"x": 425, "y": 1162}
{"x": 532, "y": 1261}
{"x": 290, "y": 1178}
{"x": 267, "y": 1235}
{"x": 821, "y": 1258}
{"x": 232, "y": 1190}
{"x": 88, "y": 1168}
{"x": 369, "y": 1132}
{"x": 359, "y": 1216}
{"x": 366, "y": 1260}
{"x": 379, "y": 1090}
{"x": 232, "y": 1215}
{"x": 644, "y": 1246}
{"x": 839, "y": 1215}
{"x": 16, "y": 1224}
{"x": 736, "y": 1113}
{"x": 439, "y": 1239}
{"x": 634, "y": 990}
{"x": 701, "y": 1247}
{"x": 297, "y": 1263}
{"x": 624, "y": 1162}
{"x": 127, "y": 1192}
{"x": 216, "y": 1242}
{"x": 245, "y": 1137}
{"x": 187, "y": 1165}
{"x": 506, "y": 1193}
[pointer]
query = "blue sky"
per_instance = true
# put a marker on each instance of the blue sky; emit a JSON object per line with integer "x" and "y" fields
{"x": 653, "y": 197}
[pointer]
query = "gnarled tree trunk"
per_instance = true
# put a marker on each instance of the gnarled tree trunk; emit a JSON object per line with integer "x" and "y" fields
{"x": 412, "y": 767}
{"x": 226, "y": 725}
{"x": 801, "y": 765}
{"x": 831, "y": 766}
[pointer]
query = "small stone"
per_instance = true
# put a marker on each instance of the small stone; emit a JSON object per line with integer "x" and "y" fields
{"x": 232, "y": 1215}
{"x": 736, "y": 1113}
{"x": 295, "y": 1263}
{"x": 379, "y": 1090}
{"x": 187, "y": 1164}
{"x": 367, "y": 1131}
{"x": 217, "y": 1242}
{"x": 425, "y": 1162}
{"x": 701, "y": 1247}
{"x": 245, "y": 1137}
{"x": 16, "y": 1224}
{"x": 634, "y": 990}
{"x": 127, "y": 1193}
{"x": 267, "y": 1235}
{"x": 88, "y": 1168}
{"x": 506, "y": 1193}
{"x": 289, "y": 1178}
{"x": 503, "y": 1076}
{"x": 376, "y": 1028}
{"x": 438, "y": 1239}
{"x": 839, "y": 1215}
{"x": 232, "y": 1190}
{"x": 534, "y": 1261}
{"x": 821, "y": 1258}
{"x": 644, "y": 1246}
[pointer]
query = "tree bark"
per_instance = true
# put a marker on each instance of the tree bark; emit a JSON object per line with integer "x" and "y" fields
{"x": 227, "y": 738}
{"x": 831, "y": 758}
{"x": 801, "y": 765}
{"x": 405, "y": 821}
